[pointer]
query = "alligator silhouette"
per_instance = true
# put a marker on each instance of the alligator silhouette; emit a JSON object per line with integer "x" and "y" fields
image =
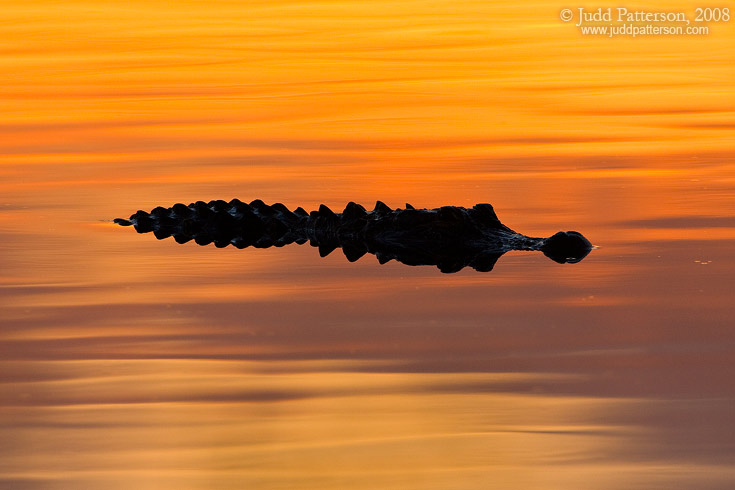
{"x": 448, "y": 237}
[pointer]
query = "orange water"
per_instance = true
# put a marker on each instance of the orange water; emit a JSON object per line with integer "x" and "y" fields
{"x": 132, "y": 363}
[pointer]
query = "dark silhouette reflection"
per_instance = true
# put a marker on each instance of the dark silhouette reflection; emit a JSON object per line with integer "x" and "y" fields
{"x": 449, "y": 237}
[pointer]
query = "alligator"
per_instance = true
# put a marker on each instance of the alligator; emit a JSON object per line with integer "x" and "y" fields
{"x": 448, "y": 237}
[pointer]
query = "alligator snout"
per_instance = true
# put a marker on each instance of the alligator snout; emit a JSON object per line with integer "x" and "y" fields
{"x": 566, "y": 247}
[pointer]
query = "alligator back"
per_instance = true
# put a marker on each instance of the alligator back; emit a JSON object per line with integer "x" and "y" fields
{"x": 449, "y": 237}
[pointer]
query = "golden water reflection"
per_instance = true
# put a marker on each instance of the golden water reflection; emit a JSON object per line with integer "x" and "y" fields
{"x": 126, "y": 362}
{"x": 198, "y": 424}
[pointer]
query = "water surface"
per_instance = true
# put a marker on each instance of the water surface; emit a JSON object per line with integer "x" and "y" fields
{"x": 132, "y": 363}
